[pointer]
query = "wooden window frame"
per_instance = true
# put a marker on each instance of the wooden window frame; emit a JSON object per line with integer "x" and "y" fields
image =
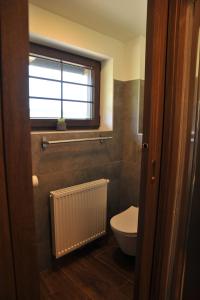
{"x": 94, "y": 123}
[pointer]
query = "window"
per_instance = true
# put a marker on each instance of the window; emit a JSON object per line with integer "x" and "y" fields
{"x": 63, "y": 85}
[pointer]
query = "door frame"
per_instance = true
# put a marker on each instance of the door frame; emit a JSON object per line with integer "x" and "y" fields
{"x": 7, "y": 277}
{"x": 16, "y": 148}
{"x": 167, "y": 263}
{"x": 186, "y": 257}
{"x": 154, "y": 97}
{"x": 176, "y": 141}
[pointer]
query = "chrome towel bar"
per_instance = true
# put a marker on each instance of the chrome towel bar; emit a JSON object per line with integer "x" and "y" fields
{"x": 45, "y": 143}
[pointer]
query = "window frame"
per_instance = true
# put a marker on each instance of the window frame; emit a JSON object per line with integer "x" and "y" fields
{"x": 94, "y": 123}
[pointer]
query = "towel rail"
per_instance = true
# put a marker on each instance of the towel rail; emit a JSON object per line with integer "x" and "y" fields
{"x": 46, "y": 143}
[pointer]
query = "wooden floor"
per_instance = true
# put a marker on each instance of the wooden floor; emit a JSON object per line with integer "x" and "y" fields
{"x": 98, "y": 271}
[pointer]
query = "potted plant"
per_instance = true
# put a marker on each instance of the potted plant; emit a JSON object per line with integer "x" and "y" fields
{"x": 61, "y": 124}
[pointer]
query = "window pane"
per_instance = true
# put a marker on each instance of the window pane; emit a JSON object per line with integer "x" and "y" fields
{"x": 77, "y": 92}
{"x": 78, "y": 74}
{"x": 44, "y": 109}
{"x": 44, "y": 88}
{"x": 75, "y": 110}
{"x": 45, "y": 68}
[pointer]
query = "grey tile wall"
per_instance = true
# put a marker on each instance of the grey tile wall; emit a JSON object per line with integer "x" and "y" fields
{"x": 118, "y": 159}
{"x": 131, "y": 144}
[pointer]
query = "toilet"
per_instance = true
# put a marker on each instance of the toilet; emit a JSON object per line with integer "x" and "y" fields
{"x": 124, "y": 226}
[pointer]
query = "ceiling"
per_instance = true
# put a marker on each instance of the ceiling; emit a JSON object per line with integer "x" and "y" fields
{"x": 121, "y": 19}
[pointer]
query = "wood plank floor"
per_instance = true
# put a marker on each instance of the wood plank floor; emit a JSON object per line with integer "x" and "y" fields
{"x": 98, "y": 271}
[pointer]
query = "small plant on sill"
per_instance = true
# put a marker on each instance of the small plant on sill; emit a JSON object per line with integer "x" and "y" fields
{"x": 61, "y": 124}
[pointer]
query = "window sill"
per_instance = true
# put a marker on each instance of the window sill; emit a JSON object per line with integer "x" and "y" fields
{"x": 50, "y": 132}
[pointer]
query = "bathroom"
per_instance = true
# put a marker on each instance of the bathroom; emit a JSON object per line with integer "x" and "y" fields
{"x": 65, "y": 227}
{"x": 117, "y": 158}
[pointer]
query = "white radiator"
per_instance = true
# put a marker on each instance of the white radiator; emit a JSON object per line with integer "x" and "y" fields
{"x": 78, "y": 215}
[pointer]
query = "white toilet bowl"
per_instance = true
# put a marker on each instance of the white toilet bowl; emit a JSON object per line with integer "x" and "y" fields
{"x": 124, "y": 226}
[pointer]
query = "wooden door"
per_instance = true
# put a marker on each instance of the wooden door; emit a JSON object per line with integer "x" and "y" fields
{"x": 172, "y": 214}
{"x": 191, "y": 270}
{"x": 164, "y": 189}
{"x": 7, "y": 279}
{"x": 17, "y": 239}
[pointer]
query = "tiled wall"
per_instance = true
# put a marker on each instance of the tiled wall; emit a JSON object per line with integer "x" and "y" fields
{"x": 131, "y": 146}
{"x": 118, "y": 159}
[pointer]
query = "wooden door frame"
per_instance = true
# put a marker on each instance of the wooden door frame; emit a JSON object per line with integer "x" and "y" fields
{"x": 162, "y": 217}
{"x": 185, "y": 279}
{"x": 15, "y": 140}
{"x": 155, "y": 73}
{"x": 175, "y": 146}
{"x": 167, "y": 262}
{"x": 7, "y": 277}
{"x": 189, "y": 262}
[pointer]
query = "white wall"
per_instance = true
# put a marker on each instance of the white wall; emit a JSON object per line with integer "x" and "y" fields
{"x": 73, "y": 35}
{"x": 120, "y": 61}
{"x": 134, "y": 63}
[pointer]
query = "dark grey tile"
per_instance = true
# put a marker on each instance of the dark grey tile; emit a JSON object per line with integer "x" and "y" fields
{"x": 44, "y": 255}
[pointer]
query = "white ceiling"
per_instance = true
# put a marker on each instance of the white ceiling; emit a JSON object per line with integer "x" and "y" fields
{"x": 121, "y": 19}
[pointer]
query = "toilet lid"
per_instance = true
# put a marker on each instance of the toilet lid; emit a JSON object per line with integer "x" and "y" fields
{"x": 127, "y": 221}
